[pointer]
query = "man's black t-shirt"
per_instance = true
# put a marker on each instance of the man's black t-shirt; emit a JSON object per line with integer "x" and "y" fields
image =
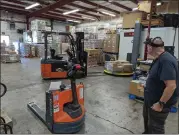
{"x": 164, "y": 68}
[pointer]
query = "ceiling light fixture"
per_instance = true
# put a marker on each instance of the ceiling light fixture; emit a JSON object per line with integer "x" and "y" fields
{"x": 159, "y": 4}
{"x": 32, "y": 6}
{"x": 69, "y": 12}
{"x": 73, "y": 21}
{"x": 135, "y": 9}
{"x": 88, "y": 18}
{"x": 108, "y": 13}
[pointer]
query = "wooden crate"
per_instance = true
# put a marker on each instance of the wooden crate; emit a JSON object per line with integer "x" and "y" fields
{"x": 154, "y": 22}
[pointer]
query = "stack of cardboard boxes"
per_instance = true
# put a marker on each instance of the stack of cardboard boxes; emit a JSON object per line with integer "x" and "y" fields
{"x": 130, "y": 18}
{"x": 118, "y": 66}
{"x": 93, "y": 55}
{"x": 8, "y": 54}
{"x": 93, "y": 43}
{"x": 40, "y": 25}
{"x": 111, "y": 43}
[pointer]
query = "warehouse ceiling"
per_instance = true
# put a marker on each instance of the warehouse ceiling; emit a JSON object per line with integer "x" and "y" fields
{"x": 54, "y": 9}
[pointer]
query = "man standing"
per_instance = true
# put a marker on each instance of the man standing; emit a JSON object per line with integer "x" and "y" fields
{"x": 161, "y": 90}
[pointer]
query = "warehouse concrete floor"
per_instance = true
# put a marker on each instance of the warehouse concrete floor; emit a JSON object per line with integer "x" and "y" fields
{"x": 106, "y": 100}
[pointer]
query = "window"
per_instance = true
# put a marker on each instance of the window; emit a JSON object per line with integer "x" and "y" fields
{"x": 5, "y": 39}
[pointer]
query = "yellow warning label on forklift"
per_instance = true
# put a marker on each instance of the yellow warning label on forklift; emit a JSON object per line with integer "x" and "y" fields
{"x": 56, "y": 108}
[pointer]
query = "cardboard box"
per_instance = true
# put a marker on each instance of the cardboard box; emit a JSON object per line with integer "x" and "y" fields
{"x": 127, "y": 68}
{"x": 144, "y": 6}
{"x": 144, "y": 67}
{"x": 92, "y": 52}
{"x": 118, "y": 66}
{"x": 111, "y": 44}
{"x": 136, "y": 88}
{"x": 129, "y": 19}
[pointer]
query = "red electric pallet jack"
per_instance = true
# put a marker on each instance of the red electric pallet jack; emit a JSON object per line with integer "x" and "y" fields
{"x": 65, "y": 112}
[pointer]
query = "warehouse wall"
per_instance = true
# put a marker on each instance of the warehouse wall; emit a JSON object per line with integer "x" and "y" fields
{"x": 14, "y": 36}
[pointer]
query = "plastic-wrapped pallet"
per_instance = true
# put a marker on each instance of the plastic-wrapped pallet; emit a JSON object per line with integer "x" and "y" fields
{"x": 37, "y": 37}
{"x": 33, "y": 51}
{"x": 6, "y": 58}
{"x": 3, "y": 49}
{"x": 41, "y": 50}
{"x": 25, "y": 50}
{"x": 38, "y": 24}
{"x": 12, "y": 47}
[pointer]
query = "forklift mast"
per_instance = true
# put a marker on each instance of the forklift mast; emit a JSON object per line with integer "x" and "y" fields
{"x": 79, "y": 47}
{"x": 81, "y": 55}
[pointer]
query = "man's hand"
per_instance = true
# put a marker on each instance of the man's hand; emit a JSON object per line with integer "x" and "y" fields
{"x": 157, "y": 107}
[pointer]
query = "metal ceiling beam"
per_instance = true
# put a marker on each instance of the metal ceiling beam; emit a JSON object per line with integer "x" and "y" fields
{"x": 50, "y": 17}
{"x": 82, "y": 12}
{"x": 51, "y": 7}
{"x": 85, "y": 8}
{"x": 8, "y": 20}
{"x": 14, "y": 10}
{"x": 99, "y": 6}
{"x": 12, "y": 6}
{"x": 58, "y": 11}
{"x": 64, "y": 16}
{"x": 120, "y": 5}
{"x": 15, "y": 1}
{"x": 73, "y": 14}
{"x": 23, "y": 4}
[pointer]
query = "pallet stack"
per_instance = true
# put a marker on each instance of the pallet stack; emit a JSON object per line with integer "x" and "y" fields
{"x": 40, "y": 50}
{"x": 10, "y": 58}
{"x": 93, "y": 44}
{"x": 8, "y": 54}
{"x": 25, "y": 50}
{"x": 93, "y": 55}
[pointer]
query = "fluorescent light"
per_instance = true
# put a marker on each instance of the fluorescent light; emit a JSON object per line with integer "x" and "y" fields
{"x": 88, "y": 18}
{"x": 73, "y": 21}
{"x": 72, "y": 11}
{"x": 108, "y": 13}
{"x": 135, "y": 9}
{"x": 159, "y": 3}
{"x": 33, "y": 5}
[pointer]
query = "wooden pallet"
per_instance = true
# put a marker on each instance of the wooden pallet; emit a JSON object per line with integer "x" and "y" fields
{"x": 10, "y": 61}
{"x": 154, "y": 22}
{"x": 173, "y": 109}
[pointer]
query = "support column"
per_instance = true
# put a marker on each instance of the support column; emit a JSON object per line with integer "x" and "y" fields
{"x": 27, "y": 22}
{"x": 51, "y": 23}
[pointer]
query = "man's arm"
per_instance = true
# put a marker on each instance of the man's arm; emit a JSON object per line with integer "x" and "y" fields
{"x": 169, "y": 90}
{"x": 168, "y": 76}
